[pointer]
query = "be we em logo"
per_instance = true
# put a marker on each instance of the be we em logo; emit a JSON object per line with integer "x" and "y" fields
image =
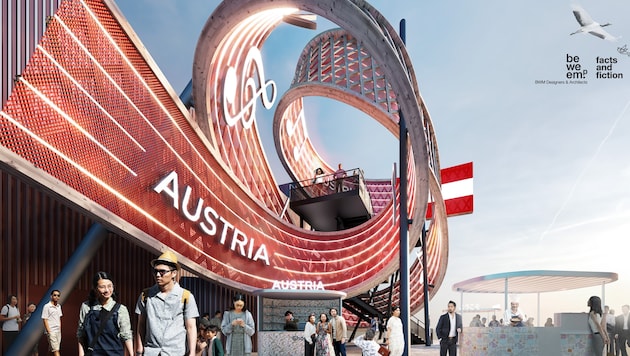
{"x": 208, "y": 220}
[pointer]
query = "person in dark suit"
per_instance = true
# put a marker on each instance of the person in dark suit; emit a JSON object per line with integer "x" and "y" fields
{"x": 622, "y": 329}
{"x": 448, "y": 329}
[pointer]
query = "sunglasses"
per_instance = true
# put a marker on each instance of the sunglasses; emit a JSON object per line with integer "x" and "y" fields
{"x": 161, "y": 272}
{"x": 56, "y": 295}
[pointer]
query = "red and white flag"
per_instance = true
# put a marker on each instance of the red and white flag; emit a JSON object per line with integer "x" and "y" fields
{"x": 457, "y": 190}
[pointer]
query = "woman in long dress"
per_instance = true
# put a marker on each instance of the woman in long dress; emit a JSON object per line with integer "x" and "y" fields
{"x": 395, "y": 338}
{"x": 324, "y": 329}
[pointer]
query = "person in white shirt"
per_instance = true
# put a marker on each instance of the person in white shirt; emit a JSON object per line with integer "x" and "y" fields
{"x": 309, "y": 336}
{"x": 51, "y": 317}
{"x": 515, "y": 315}
{"x": 622, "y": 329}
{"x": 10, "y": 317}
{"x": 448, "y": 330}
{"x": 366, "y": 343}
{"x": 609, "y": 315}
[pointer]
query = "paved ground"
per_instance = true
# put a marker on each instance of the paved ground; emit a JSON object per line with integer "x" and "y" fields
{"x": 433, "y": 350}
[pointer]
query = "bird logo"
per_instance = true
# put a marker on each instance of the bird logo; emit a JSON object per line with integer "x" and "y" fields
{"x": 587, "y": 25}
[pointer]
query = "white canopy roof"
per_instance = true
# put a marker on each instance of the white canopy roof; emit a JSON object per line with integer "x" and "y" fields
{"x": 537, "y": 281}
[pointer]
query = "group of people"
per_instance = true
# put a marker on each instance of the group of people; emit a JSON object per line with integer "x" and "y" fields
{"x": 10, "y": 318}
{"x": 327, "y": 337}
{"x": 167, "y": 320}
{"x": 167, "y": 323}
{"x": 513, "y": 316}
{"x": 166, "y": 315}
{"x": 606, "y": 329}
{"x": 337, "y": 176}
{"x": 610, "y": 333}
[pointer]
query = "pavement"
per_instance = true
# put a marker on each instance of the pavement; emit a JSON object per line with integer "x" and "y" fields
{"x": 415, "y": 350}
{"x": 433, "y": 350}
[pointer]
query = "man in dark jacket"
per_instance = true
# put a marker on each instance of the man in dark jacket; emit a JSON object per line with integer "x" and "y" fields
{"x": 448, "y": 329}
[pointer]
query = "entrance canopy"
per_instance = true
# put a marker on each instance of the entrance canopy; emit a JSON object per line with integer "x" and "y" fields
{"x": 538, "y": 281}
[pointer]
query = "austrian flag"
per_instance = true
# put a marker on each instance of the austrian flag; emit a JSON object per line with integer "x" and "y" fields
{"x": 457, "y": 190}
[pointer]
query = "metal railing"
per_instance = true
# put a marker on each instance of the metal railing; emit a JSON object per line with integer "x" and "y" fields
{"x": 330, "y": 184}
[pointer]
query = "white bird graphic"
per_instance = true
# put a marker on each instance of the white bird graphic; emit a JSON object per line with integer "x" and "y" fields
{"x": 589, "y": 26}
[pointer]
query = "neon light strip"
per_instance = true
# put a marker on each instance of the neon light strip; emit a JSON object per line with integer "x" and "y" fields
{"x": 175, "y": 153}
{"x": 383, "y": 236}
{"x": 227, "y": 208}
{"x": 338, "y": 271}
{"x": 89, "y": 96}
{"x": 381, "y": 249}
{"x": 117, "y": 194}
{"x": 75, "y": 124}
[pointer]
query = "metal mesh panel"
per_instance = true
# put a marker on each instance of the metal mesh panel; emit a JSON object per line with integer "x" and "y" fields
{"x": 89, "y": 111}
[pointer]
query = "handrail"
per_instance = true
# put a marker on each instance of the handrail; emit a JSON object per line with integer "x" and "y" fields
{"x": 416, "y": 325}
{"x": 308, "y": 188}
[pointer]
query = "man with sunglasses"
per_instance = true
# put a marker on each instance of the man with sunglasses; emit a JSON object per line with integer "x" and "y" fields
{"x": 166, "y": 313}
{"x": 51, "y": 317}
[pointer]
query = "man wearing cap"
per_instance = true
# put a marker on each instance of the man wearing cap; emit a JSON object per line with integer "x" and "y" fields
{"x": 166, "y": 313}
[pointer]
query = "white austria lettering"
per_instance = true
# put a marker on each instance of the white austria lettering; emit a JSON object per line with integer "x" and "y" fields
{"x": 238, "y": 241}
{"x": 246, "y": 111}
{"x": 298, "y": 285}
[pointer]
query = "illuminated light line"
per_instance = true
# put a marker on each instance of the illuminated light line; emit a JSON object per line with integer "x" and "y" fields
{"x": 379, "y": 227}
{"x": 250, "y": 32}
{"x": 286, "y": 144}
{"x": 143, "y": 83}
{"x": 340, "y": 240}
{"x": 348, "y": 257}
{"x": 279, "y": 242}
{"x": 76, "y": 125}
{"x": 217, "y": 83}
{"x": 369, "y": 271}
{"x": 132, "y": 104}
{"x": 232, "y": 44}
{"x": 89, "y": 96}
{"x": 393, "y": 250}
{"x": 119, "y": 195}
{"x": 347, "y": 280}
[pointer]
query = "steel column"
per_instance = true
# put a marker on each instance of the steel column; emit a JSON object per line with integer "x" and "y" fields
{"x": 65, "y": 282}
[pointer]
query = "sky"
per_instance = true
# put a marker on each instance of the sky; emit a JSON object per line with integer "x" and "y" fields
{"x": 551, "y": 157}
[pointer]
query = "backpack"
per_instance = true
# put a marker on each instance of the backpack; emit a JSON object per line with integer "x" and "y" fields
{"x": 185, "y": 297}
{"x": 99, "y": 334}
{"x": 5, "y": 315}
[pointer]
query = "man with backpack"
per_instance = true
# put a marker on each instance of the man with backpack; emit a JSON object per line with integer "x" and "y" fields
{"x": 10, "y": 321}
{"x": 166, "y": 313}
